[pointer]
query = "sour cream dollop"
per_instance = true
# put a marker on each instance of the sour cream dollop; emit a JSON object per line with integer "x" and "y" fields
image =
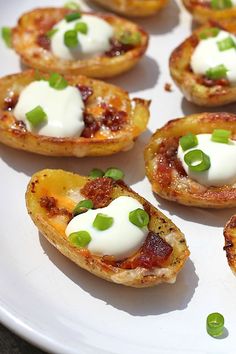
{"x": 207, "y": 55}
{"x": 96, "y": 41}
{"x": 122, "y": 239}
{"x": 223, "y": 162}
{"x": 64, "y": 109}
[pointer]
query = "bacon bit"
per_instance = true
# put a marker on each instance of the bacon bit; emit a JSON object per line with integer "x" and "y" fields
{"x": 92, "y": 125}
{"x": 202, "y": 3}
{"x": 44, "y": 42}
{"x": 203, "y": 80}
{"x": 10, "y": 102}
{"x": 99, "y": 191}
{"x": 85, "y": 91}
{"x": 118, "y": 48}
{"x": 50, "y": 204}
{"x": 114, "y": 119}
{"x": 168, "y": 87}
{"x": 19, "y": 128}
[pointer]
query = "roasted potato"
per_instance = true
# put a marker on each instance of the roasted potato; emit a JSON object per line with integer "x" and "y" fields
{"x": 203, "y": 12}
{"x": 51, "y": 197}
{"x": 130, "y": 119}
{"x": 230, "y": 243}
{"x": 30, "y": 41}
{"x": 197, "y": 88}
{"x": 133, "y": 8}
{"x": 165, "y": 171}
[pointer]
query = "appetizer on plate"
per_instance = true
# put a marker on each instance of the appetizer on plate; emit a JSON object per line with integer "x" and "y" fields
{"x": 211, "y": 10}
{"x": 70, "y": 42}
{"x": 203, "y": 66}
{"x": 106, "y": 228}
{"x": 53, "y": 115}
{"x": 230, "y": 243}
{"x": 192, "y": 160}
{"x": 132, "y": 8}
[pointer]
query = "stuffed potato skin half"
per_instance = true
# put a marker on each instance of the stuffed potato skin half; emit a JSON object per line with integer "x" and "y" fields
{"x": 165, "y": 171}
{"x": 118, "y": 138}
{"x": 133, "y": 8}
{"x": 31, "y": 43}
{"x": 62, "y": 190}
{"x": 230, "y": 243}
{"x": 197, "y": 88}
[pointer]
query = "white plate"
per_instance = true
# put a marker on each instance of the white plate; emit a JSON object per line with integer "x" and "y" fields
{"x": 49, "y": 301}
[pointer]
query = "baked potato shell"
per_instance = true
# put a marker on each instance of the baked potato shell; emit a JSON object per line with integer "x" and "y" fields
{"x": 133, "y": 8}
{"x": 65, "y": 188}
{"x": 101, "y": 144}
{"x": 230, "y": 242}
{"x": 190, "y": 83}
{"x": 171, "y": 183}
{"x": 40, "y": 21}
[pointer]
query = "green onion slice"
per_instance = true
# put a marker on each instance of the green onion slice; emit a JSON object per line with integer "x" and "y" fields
{"x": 197, "y": 160}
{"x": 7, "y": 36}
{"x": 226, "y": 44}
{"x": 188, "y": 141}
{"x": 81, "y": 27}
{"x": 71, "y": 38}
{"x": 209, "y": 32}
{"x": 80, "y": 238}
{"x": 132, "y": 38}
{"x": 103, "y": 222}
{"x": 95, "y": 173}
{"x": 72, "y": 16}
{"x": 57, "y": 81}
{"x": 83, "y": 206}
{"x": 36, "y": 116}
{"x": 114, "y": 173}
{"x": 215, "y": 324}
{"x": 139, "y": 217}
{"x": 221, "y": 4}
{"x": 217, "y": 72}
{"x": 221, "y": 136}
{"x": 51, "y": 32}
{"x": 72, "y": 5}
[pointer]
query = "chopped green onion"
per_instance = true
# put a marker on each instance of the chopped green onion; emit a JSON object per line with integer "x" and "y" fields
{"x": 139, "y": 217}
{"x": 36, "y": 116}
{"x": 72, "y": 16}
{"x": 197, "y": 160}
{"x": 95, "y": 173}
{"x": 130, "y": 38}
{"x": 83, "y": 206}
{"x": 114, "y": 173}
{"x": 102, "y": 222}
{"x": 217, "y": 72}
{"x": 209, "y": 32}
{"x": 80, "y": 238}
{"x": 51, "y": 32}
{"x": 72, "y": 5}
{"x": 6, "y": 36}
{"x": 81, "y": 27}
{"x": 71, "y": 38}
{"x": 221, "y": 136}
{"x": 215, "y": 324}
{"x": 188, "y": 141}
{"x": 221, "y": 4}
{"x": 57, "y": 81}
{"x": 226, "y": 44}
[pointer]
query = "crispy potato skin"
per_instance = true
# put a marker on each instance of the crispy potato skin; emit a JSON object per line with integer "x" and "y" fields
{"x": 230, "y": 243}
{"x": 179, "y": 187}
{"x": 203, "y": 13}
{"x": 133, "y": 8}
{"x": 65, "y": 188}
{"x": 189, "y": 83}
{"x": 99, "y": 145}
{"x": 39, "y": 21}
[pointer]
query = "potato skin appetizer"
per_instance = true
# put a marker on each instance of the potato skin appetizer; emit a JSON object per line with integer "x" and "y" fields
{"x": 51, "y": 197}
{"x": 133, "y": 8}
{"x": 31, "y": 43}
{"x": 165, "y": 171}
{"x": 197, "y": 88}
{"x": 230, "y": 243}
{"x": 119, "y": 137}
{"x": 202, "y": 12}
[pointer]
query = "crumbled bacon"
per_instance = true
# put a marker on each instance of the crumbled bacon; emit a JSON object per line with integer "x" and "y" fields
{"x": 44, "y": 42}
{"x": 86, "y": 92}
{"x": 99, "y": 191}
{"x": 92, "y": 125}
{"x": 117, "y": 48}
{"x": 203, "y": 80}
{"x": 114, "y": 119}
{"x": 10, "y": 102}
{"x": 50, "y": 204}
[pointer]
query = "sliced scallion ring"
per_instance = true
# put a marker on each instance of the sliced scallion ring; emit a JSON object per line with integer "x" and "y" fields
{"x": 72, "y": 5}
{"x": 132, "y": 38}
{"x": 71, "y": 38}
{"x": 197, "y": 160}
{"x": 209, "y": 32}
{"x": 51, "y": 32}
{"x": 139, "y": 217}
{"x": 215, "y": 324}
{"x": 57, "y": 81}
{"x": 226, "y": 44}
{"x": 83, "y": 206}
{"x": 7, "y": 36}
{"x": 188, "y": 141}
{"x": 96, "y": 173}
{"x": 80, "y": 238}
{"x": 72, "y": 16}
{"x": 36, "y": 116}
{"x": 221, "y": 4}
{"x": 221, "y": 136}
{"x": 217, "y": 72}
{"x": 102, "y": 222}
{"x": 114, "y": 173}
{"x": 81, "y": 27}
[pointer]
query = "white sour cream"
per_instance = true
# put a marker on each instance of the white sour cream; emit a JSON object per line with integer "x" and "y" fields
{"x": 64, "y": 109}
{"x": 223, "y": 162}
{"x": 207, "y": 55}
{"x": 122, "y": 239}
{"x": 96, "y": 41}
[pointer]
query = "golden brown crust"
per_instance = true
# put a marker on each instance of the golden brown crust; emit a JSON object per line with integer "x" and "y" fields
{"x": 65, "y": 188}
{"x": 39, "y": 21}
{"x": 165, "y": 172}
{"x": 193, "y": 86}
{"x": 203, "y": 13}
{"x": 133, "y": 8}
{"x": 230, "y": 243}
{"x": 137, "y": 114}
